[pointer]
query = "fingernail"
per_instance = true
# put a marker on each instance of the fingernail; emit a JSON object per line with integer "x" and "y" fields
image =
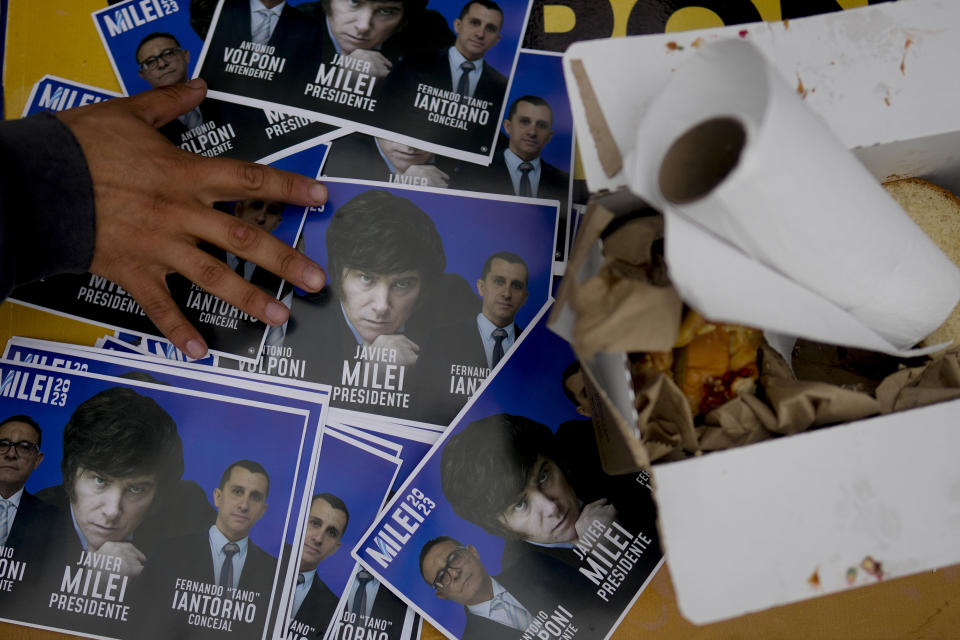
{"x": 195, "y": 83}
{"x": 276, "y": 313}
{"x": 318, "y": 193}
{"x": 196, "y": 349}
{"x": 314, "y": 278}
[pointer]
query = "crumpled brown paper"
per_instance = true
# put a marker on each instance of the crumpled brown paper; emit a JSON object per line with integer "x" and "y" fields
{"x": 628, "y": 291}
{"x": 627, "y": 306}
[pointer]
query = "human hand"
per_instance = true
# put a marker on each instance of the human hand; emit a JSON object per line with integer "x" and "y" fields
{"x": 406, "y": 349}
{"x": 600, "y": 510}
{"x": 380, "y": 65}
{"x": 153, "y": 205}
{"x": 131, "y": 558}
{"x": 434, "y": 176}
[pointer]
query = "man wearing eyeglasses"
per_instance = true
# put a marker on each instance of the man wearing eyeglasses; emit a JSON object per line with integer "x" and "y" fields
{"x": 456, "y": 573}
{"x": 25, "y": 520}
{"x": 163, "y": 62}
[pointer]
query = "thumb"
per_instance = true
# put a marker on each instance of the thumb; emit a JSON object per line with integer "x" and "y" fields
{"x": 159, "y": 106}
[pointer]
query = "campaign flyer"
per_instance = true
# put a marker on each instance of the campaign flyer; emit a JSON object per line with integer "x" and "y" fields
{"x": 537, "y": 129}
{"x": 350, "y": 487}
{"x": 435, "y": 76}
{"x": 227, "y": 330}
{"x": 312, "y": 398}
{"x": 153, "y": 43}
{"x": 124, "y": 499}
{"x": 423, "y": 285}
{"x": 509, "y": 528}
{"x": 52, "y": 94}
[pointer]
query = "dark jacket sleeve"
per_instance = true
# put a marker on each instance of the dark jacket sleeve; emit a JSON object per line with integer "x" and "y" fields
{"x": 47, "y": 222}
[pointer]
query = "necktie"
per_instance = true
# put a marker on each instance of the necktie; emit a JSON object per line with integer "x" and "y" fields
{"x": 517, "y": 615}
{"x": 226, "y": 571}
{"x": 525, "y": 189}
{"x": 498, "y": 335}
{"x": 463, "y": 86}
{"x": 359, "y": 605}
{"x": 261, "y": 33}
{"x": 6, "y": 507}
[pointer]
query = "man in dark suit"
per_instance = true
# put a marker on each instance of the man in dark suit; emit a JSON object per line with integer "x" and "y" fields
{"x": 258, "y": 53}
{"x": 547, "y": 496}
{"x": 458, "y": 357}
{"x": 162, "y": 62}
{"x": 493, "y": 606}
{"x": 121, "y": 494}
{"x": 459, "y": 76}
{"x": 28, "y": 526}
{"x": 518, "y": 169}
{"x": 313, "y": 602}
{"x": 385, "y": 262}
{"x": 368, "y": 158}
{"x": 25, "y": 520}
{"x": 221, "y": 560}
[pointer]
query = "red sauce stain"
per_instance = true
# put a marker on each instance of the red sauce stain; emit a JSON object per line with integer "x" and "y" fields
{"x": 873, "y": 567}
{"x": 673, "y": 46}
{"x": 743, "y": 33}
{"x": 903, "y": 62}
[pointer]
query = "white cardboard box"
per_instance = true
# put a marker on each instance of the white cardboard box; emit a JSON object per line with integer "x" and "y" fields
{"x": 795, "y": 518}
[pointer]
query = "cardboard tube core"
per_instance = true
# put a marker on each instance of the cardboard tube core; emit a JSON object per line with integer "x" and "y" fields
{"x": 700, "y": 159}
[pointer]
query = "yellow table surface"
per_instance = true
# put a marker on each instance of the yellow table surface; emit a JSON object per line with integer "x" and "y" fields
{"x": 58, "y": 37}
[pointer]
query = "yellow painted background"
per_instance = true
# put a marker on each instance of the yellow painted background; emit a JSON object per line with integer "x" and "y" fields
{"x": 58, "y": 37}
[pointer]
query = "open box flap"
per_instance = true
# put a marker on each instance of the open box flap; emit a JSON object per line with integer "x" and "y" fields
{"x": 818, "y": 504}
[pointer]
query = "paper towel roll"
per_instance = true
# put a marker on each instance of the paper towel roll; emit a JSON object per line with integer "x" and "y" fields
{"x": 731, "y": 146}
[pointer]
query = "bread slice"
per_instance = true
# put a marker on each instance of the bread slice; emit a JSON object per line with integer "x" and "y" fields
{"x": 937, "y": 212}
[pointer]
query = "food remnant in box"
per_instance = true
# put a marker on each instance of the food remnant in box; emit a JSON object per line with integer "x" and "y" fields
{"x": 743, "y": 33}
{"x": 873, "y": 567}
{"x": 786, "y": 25}
{"x": 715, "y": 362}
{"x": 814, "y": 579}
{"x": 696, "y": 43}
{"x": 851, "y": 575}
{"x": 673, "y": 46}
{"x": 800, "y": 89}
